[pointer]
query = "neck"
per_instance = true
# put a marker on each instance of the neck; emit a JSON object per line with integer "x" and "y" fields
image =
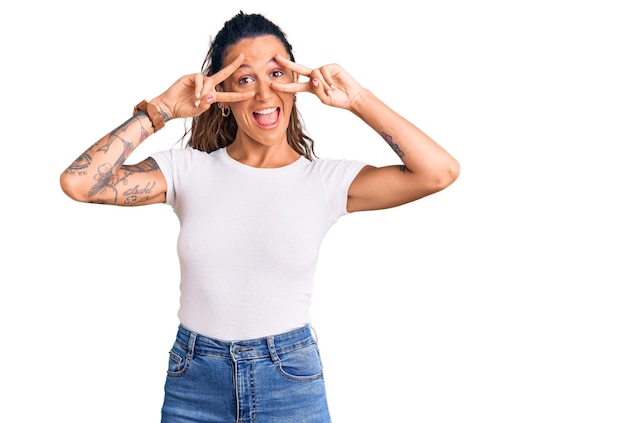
{"x": 262, "y": 156}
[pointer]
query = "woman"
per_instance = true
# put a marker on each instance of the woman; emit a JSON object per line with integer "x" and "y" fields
{"x": 254, "y": 205}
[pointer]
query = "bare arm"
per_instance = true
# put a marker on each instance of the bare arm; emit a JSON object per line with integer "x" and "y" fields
{"x": 426, "y": 167}
{"x": 101, "y": 175}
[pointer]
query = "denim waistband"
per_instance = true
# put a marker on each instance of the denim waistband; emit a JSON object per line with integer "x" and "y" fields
{"x": 268, "y": 346}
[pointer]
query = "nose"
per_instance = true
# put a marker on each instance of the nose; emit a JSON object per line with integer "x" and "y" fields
{"x": 263, "y": 91}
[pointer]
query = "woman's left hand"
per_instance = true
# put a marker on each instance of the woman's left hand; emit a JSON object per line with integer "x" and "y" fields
{"x": 330, "y": 83}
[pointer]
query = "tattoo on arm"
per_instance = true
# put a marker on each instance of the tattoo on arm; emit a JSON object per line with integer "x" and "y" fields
{"x": 395, "y": 147}
{"x": 106, "y": 179}
{"x": 164, "y": 114}
{"x": 116, "y": 133}
{"x": 80, "y": 164}
{"x": 137, "y": 194}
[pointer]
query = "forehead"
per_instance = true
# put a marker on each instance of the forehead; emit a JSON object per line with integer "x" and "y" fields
{"x": 261, "y": 48}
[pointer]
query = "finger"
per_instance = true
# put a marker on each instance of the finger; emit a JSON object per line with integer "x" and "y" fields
{"x": 319, "y": 83}
{"x": 232, "y": 97}
{"x": 317, "y": 80}
{"x": 227, "y": 70}
{"x": 327, "y": 73}
{"x": 199, "y": 83}
{"x": 199, "y": 87}
{"x": 293, "y": 87}
{"x": 300, "y": 69}
{"x": 207, "y": 94}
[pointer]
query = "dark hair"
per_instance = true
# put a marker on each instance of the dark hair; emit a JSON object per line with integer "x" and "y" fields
{"x": 211, "y": 131}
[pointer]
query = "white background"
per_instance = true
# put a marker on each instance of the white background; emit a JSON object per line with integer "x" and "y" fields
{"x": 500, "y": 299}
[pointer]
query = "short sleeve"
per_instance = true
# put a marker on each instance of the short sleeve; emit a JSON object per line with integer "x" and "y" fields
{"x": 337, "y": 176}
{"x": 174, "y": 165}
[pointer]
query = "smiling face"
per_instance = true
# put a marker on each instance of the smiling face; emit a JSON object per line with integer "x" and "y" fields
{"x": 264, "y": 118}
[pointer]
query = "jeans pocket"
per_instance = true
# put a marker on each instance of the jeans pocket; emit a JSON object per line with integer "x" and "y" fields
{"x": 178, "y": 362}
{"x": 303, "y": 364}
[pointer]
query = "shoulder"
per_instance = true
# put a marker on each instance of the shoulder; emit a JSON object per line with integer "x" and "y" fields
{"x": 337, "y": 169}
{"x": 183, "y": 156}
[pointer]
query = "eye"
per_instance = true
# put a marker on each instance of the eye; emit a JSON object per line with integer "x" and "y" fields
{"x": 245, "y": 80}
{"x": 277, "y": 74}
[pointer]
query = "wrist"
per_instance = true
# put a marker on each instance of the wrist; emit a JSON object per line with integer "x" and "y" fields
{"x": 153, "y": 112}
{"x": 165, "y": 111}
{"x": 361, "y": 102}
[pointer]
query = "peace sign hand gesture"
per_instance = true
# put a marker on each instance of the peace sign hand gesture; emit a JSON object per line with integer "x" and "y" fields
{"x": 330, "y": 83}
{"x": 193, "y": 94}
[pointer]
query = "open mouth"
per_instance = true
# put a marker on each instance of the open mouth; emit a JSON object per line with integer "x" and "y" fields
{"x": 267, "y": 117}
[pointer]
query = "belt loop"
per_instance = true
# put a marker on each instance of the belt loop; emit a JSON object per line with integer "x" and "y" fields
{"x": 272, "y": 348}
{"x": 314, "y": 333}
{"x": 191, "y": 345}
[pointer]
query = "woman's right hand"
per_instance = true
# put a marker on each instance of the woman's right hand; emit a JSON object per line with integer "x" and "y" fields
{"x": 193, "y": 94}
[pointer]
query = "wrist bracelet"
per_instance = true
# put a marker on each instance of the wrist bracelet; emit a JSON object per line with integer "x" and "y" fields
{"x": 153, "y": 114}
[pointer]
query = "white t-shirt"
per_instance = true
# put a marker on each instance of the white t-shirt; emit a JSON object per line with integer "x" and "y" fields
{"x": 249, "y": 238}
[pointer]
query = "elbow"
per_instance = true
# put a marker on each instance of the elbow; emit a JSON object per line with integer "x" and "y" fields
{"x": 453, "y": 171}
{"x": 446, "y": 176}
{"x": 72, "y": 189}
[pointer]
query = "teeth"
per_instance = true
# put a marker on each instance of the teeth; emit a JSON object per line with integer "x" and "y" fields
{"x": 266, "y": 111}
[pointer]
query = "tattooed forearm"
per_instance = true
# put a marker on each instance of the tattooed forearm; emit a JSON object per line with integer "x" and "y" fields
{"x": 389, "y": 139}
{"x": 164, "y": 114}
{"x": 107, "y": 179}
{"x": 119, "y": 131}
{"x": 80, "y": 164}
{"x": 115, "y": 134}
{"x": 103, "y": 178}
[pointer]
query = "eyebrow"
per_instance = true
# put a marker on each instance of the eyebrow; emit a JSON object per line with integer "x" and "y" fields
{"x": 245, "y": 65}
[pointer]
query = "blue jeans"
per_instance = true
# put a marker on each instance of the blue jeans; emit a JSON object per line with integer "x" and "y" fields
{"x": 277, "y": 379}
